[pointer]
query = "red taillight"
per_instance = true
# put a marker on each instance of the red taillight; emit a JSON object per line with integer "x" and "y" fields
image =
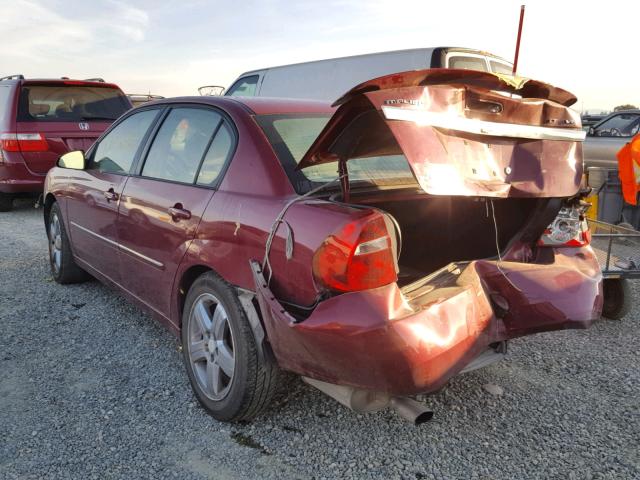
{"x": 23, "y": 142}
{"x": 569, "y": 229}
{"x": 359, "y": 257}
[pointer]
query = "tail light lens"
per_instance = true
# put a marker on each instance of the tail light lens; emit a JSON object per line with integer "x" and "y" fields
{"x": 362, "y": 255}
{"x": 23, "y": 142}
{"x": 569, "y": 229}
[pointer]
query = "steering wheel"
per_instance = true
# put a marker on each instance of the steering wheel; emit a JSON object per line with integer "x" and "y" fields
{"x": 614, "y": 132}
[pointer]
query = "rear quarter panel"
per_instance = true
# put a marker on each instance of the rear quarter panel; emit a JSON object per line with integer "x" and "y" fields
{"x": 237, "y": 222}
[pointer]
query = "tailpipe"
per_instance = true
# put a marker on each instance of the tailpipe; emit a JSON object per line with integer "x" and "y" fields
{"x": 410, "y": 410}
{"x": 363, "y": 401}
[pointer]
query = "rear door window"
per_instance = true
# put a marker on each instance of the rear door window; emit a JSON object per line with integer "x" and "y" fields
{"x": 70, "y": 103}
{"x": 245, "y": 87}
{"x": 116, "y": 151}
{"x": 5, "y": 96}
{"x": 217, "y": 156}
{"x": 179, "y": 146}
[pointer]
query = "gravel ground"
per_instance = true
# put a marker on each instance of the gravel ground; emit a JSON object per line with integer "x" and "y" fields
{"x": 91, "y": 387}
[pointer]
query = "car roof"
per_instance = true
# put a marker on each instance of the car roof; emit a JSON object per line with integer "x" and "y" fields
{"x": 258, "y": 105}
{"x": 374, "y": 54}
{"x": 58, "y": 81}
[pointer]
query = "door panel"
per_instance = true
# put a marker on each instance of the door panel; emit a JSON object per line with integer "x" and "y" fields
{"x": 92, "y": 219}
{"x": 601, "y": 151}
{"x": 95, "y": 194}
{"x": 160, "y": 211}
{"x": 153, "y": 241}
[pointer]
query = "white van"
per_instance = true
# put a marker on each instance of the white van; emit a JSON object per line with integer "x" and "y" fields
{"x": 328, "y": 79}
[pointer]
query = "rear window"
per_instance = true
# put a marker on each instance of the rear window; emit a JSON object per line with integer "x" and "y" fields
{"x": 67, "y": 103}
{"x": 374, "y": 159}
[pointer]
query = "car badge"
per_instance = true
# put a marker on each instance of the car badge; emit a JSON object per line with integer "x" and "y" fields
{"x": 83, "y": 126}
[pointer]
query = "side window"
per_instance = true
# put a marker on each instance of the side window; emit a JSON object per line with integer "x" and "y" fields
{"x": 4, "y": 101}
{"x": 216, "y": 157}
{"x": 180, "y": 144}
{"x": 500, "y": 67}
{"x": 468, "y": 63}
{"x": 622, "y": 125}
{"x": 245, "y": 87}
{"x": 116, "y": 151}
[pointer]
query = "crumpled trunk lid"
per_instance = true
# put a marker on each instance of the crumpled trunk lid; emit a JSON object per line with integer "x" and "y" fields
{"x": 462, "y": 132}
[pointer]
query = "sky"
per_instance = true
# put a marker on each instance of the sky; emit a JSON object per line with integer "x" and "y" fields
{"x": 172, "y": 48}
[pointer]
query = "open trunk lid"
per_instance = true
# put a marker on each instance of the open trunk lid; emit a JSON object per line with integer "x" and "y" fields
{"x": 462, "y": 132}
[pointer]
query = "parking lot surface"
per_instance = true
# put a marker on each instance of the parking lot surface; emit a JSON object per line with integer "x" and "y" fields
{"x": 91, "y": 387}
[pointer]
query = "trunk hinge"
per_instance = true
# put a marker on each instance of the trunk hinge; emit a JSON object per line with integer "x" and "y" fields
{"x": 344, "y": 179}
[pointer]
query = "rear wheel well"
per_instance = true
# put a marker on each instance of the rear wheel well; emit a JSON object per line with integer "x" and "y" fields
{"x": 188, "y": 277}
{"x": 48, "y": 203}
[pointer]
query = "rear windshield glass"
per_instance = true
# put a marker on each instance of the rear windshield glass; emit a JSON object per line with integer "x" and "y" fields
{"x": 70, "y": 103}
{"x": 379, "y": 163}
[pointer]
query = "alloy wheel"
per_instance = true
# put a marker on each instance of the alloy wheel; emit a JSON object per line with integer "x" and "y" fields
{"x": 55, "y": 243}
{"x": 211, "y": 347}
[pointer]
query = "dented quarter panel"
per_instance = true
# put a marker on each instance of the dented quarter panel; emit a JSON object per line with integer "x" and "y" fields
{"x": 379, "y": 340}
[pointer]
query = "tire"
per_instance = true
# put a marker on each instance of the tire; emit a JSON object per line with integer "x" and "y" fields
{"x": 617, "y": 298}
{"x": 63, "y": 267}
{"x": 6, "y": 202}
{"x": 228, "y": 376}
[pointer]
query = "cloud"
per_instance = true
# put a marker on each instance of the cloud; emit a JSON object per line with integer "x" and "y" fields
{"x": 130, "y": 22}
{"x": 34, "y": 33}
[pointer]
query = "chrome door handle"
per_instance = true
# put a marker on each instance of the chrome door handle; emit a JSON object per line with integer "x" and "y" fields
{"x": 111, "y": 195}
{"x": 178, "y": 213}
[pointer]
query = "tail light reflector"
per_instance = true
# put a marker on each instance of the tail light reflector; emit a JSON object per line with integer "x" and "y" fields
{"x": 569, "y": 229}
{"x": 23, "y": 142}
{"x": 362, "y": 255}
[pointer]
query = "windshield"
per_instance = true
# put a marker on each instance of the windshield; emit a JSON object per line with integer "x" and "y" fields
{"x": 70, "y": 103}
{"x": 292, "y": 135}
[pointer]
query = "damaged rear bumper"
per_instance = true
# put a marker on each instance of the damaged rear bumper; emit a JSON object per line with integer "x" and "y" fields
{"x": 413, "y": 340}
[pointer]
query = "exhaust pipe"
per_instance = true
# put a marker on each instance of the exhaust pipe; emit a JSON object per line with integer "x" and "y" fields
{"x": 364, "y": 401}
{"x": 410, "y": 410}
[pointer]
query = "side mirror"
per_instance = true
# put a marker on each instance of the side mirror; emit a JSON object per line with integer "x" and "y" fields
{"x": 591, "y": 132}
{"x": 74, "y": 160}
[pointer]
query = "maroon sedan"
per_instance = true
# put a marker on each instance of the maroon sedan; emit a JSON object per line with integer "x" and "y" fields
{"x": 377, "y": 249}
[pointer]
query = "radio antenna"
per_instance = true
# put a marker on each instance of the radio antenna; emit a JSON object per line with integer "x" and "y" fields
{"x": 515, "y": 60}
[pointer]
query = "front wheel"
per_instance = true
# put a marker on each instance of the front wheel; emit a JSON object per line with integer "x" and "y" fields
{"x": 228, "y": 376}
{"x": 63, "y": 267}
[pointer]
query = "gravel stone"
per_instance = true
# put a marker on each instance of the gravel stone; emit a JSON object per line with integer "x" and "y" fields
{"x": 493, "y": 389}
{"x": 92, "y": 387}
